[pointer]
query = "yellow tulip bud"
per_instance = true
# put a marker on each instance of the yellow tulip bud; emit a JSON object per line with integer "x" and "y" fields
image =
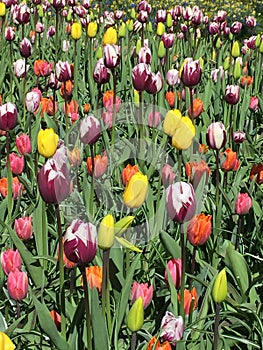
{"x": 213, "y": 57}
{"x": 76, "y": 31}
{"x": 138, "y": 46}
{"x": 201, "y": 60}
{"x": 237, "y": 70}
{"x": 106, "y": 232}
{"x": 183, "y": 136}
{"x": 40, "y": 11}
{"x": 47, "y": 141}
{"x": 133, "y": 13}
{"x": 235, "y": 52}
{"x": 218, "y": 43}
{"x": 99, "y": 53}
{"x": 69, "y": 16}
{"x": 161, "y": 50}
{"x": 5, "y": 342}
{"x": 172, "y": 121}
{"x": 92, "y": 29}
{"x": 110, "y": 36}
{"x": 130, "y": 25}
{"x": 136, "y": 190}
{"x": 122, "y": 30}
{"x": 169, "y": 20}
{"x": 160, "y": 28}
{"x": 219, "y": 291}
{"x": 2, "y": 9}
{"x": 135, "y": 317}
{"x": 230, "y": 36}
{"x": 261, "y": 47}
{"x": 226, "y": 63}
{"x": 136, "y": 98}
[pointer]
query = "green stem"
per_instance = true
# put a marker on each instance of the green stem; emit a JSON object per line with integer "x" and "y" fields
{"x": 87, "y": 307}
{"x": 179, "y": 168}
{"x": 217, "y": 178}
{"x": 239, "y": 226}
{"x": 92, "y": 181}
{"x": 192, "y": 266}
{"x": 230, "y": 133}
{"x": 216, "y": 333}
{"x": 114, "y": 109}
{"x": 182, "y": 243}
{"x": 140, "y": 122}
{"x": 9, "y": 179}
{"x": 191, "y": 105}
{"x": 106, "y": 287}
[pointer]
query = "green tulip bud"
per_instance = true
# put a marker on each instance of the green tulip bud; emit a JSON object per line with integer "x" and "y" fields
{"x": 69, "y": 16}
{"x": 133, "y": 13}
{"x": 138, "y": 46}
{"x": 130, "y": 25}
{"x": 40, "y": 11}
{"x": 169, "y": 20}
{"x": 218, "y": 43}
{"x": 136, "y": 98}
{"x": 230, "y": 36}
{"x": 201, "y": 60}
{"x": 161, "y": 50}
{"x": 235, "y": 49}
{"x": 219, "y": 291}
{"x": 160, "y": 29}
{"x": 226, "y": 63}
{"x": 99, "y": 53}
{"x": 237, "y": 70}
{"x": 261, "y": 47}
{"x": 257, "y": 42}
{"x": 149, "y": 27}
{"x": 135, "y": 316}
{"x": 122, "y": 30}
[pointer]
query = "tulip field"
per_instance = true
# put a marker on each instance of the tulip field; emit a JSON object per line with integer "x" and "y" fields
{"x": 131, "y": 175}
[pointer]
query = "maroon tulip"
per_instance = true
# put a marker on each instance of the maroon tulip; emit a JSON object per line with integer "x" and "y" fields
{"x": 10, "y": 260}
{"x": 63, "y": 71}
{"x": 8, "y": 116}
{"x": 89, "y": 130}
{"x": 191, "y": 74}
{"x": 144, "y": 55}
{"x": 58, "y": 4}
{"x": 243, "y": 204}
{"x": 216, "y": 135}
{"x": 232, "y": 94}
{"x": 80, "y": 242}
{"x": 155, "y": 83}
{"x": 10, "y": 34}
{"x": 21, "y": 13}
{"x": 101, "y": 73}
{"x": 17, "y": 284}
{"x": 239, "y": 136}
{"x": 236, "y": 27}
{"x": 168, "y": 40}
{"x": 24, "y": 228}
{"x": 111, "y": 54}
{"x": 140, "y": 76}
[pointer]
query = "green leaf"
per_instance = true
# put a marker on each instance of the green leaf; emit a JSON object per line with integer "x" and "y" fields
{"x": 122, "y": 225}
{"x": 126, "y": 244}
{"x": 170, "y": 244}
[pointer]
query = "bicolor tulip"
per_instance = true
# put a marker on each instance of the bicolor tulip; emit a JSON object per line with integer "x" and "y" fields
{"x": 219, "y": 290}
{"x": 32, "y": 101}
{"x": 8, "y": 116}
{"x": 17, "y": 284}
{"x": 9, "y": 33}
{"x": 111, "y": 55}
{"x": 80, "y": 244}
{"x": 216, "y": 135}
{"x": 172, "y": 77}
{"x": 136, "y": 190}
{"x": 239, "y": 136}
{"x": 89, "y": 130}
{"x": 63, "y": 71}
{"x": 191, "y": 72}
{"x": 141, "y": 76}
{"x": 142, "y": 290}
{"x": 47, "y": 142}
{"x": 172, "y": 328}
{"x": 168, "y": 40}
{"x": 10, "y": 261}
{"x": 155, "y": 83}
{"x": 24, "y": 228}
{"x": 145, "y": 55}
{"x": 25, "y": 48}
{"x": 106, "y": 232}
{"x": 243, "y": 204}
{"x": 101, "y": 73}
{"x": 199, "y": 229}
{"x": 174, "y": 267}
{"x": 232, "y": 94}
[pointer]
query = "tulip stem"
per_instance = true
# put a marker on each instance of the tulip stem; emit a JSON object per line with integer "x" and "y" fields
{"x": 216, "y": 333}
{"x": 87, "y": 308}
{"x": 217, "y": 178}
{"x": 9, "y": 178}
{"x": 230, "y": 125}
{"x": 114, "y": 109}
{"x": 182, "y": 243}
{"x": 61, "y": 274}
{"x": 140, "y": 122}
{"x": 133, "y": 341}
{"x": 179, "y": 168}
{"x": 239, "y": 226}
{"x": 105, "y": 287}
{"x": 92, "y": 181}
{"x": 191, "y": 105}
{"x": 192, "y": 266}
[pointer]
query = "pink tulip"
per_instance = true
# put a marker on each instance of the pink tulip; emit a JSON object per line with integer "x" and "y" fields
{"x": 23, "y": 144}
{"x": 17, "y": 284}
{"x": 23, "y": 227}
{"x": 243, "y": 204}
{"x": 17, "y": 163}
{"x": 174, "y": 266}
{"x": 142, "y": 290}
{"x": 10, "y": 260}
{"x": 167, "y": 175}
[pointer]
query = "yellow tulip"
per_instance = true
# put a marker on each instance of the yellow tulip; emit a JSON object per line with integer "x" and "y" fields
{"x": 160, "y": 28}
{"x": 135, "y": 317}
{"x": 47, "y": 141}
{"x": 110, "y": 36}
{"x": 136, "y": 190}
{"x": 235, "y": 49}
{"x": 5, "y": 342}
{"x": 2, "y": 9}
{"x": 106, "y": 232}
{"x": 92, "y": 29}
{"x": 76, "y": 31}
{"x": 172, "y": 121}
{"x": 219, "y": 291}
{"x": 183, "y": 136}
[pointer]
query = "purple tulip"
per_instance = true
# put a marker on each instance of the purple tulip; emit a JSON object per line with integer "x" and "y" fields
{"x": 213, "y": 28}
{"x": 172, "y": 328}
{"x": 168, "y": 40}
{"x": 251, "y": 22}
{"x": 21, "y": 13}
{"x": 191, "y": 74}
{"x": 63, "y": 71}
{"x": 216, "y": 135}
{"x": 155, "y": 83}
{"x": 239, "y": 136}
{"x": 181, "y": 201}
{"x": 111, "y": 54}
{"x": 140, "y": 76}
{"x": 89, "y": 130}
{"x": 80, "y": 242}
{"x": 161, "y": 16}
{"x": 8, "y": 116}
{"x": 144, "y": 55}
{"x": 101, "y": 73}
{"x": 232, "y": 94}
{"x": 25, "y": 48}
{"x": 58, "y": 4}
{"x": 10, "y": 34}
{"x": 236, "y": 27}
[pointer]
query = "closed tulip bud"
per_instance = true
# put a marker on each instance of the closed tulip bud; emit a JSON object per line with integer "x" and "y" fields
{"x": 136, "y": 190}
{"x": 2, "y": 9}
{"x": 169, "y": 20}
{"x": 99, "y": 52}
{"x": 128, "y": 172}
{"x": 122, "y": 30}
{"x": 174, "y": 267}
{"x": 199, "y": 229}
{"x": 261, "y": 47}
{"x": 219, "y": 291}
{"x": 135, "y": 317}
{"x": 32, "y": 101}
{"x": 237, "y": 70}
{"x": 129, "y": 24}
{"x": 47, "y": 142}
{"x": 106, "y": 232}
{"x": 142, "y": 290}
{"x": 229, "y": 160}
{"x": 168, "y": 40}
{"x": 197, "y": 108}
{"x": 161, "y": 50}
{"x": 232, "y": 94}
{"x": 160, "y": 29}
{"x": 172, "y": 328}
{"x": 23, "y": 144}
{"x": 226, "y": 63}
{"x": 216, "y": 135}
{"x": 149, "y": 27}
{"x": 100, "y": 165}
{"x": 17, "y": 284}
{"x": 154, "y": 119}
{"x": 172, "y": 77}
{"x": 80, "y": 244}
{"x": 92, "y": 29}
{"x": 76, "y": 31}
{"x": 110, "y": 36}
{"x": 155, "y": 83}
{"x": 167, "y": 175}
{"x": 236, "y": 27}
{"x": 138, "y": 47}
{"x": 6, "y": 342}
{"x": 111, "y": 54}
{"x": 17, "y": 163}
{"x": 136, "y": 98}
{"x": 253, "y": 104}
{"x": 8, "y": 116}
{"x": 25, "y": 48}
{"x": 180, "y": 201}
{"x": 140, "y": 76}
{"x": 133, "y": 13}
{"x": 243, "y": 204}
{"x": 195, "y": 172}
{"x": 191, "y": 72}
{"x": 9, "y": 33}
{"x": 10, "y": 260}
{"x": 235, "y": 52}
{"x": 89, "y": 130}
{"x": 239, "y": 136}
{"x": 23, "y": 227}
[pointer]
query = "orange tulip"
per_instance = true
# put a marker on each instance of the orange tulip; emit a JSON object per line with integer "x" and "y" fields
{"x": 94, "y": 277}
{"x": 66, "y": 90}
{"x": 246, "y": 80}
{"x": 86, "y": 108}
{"x": 199, "y": 229}
{"x": 100, "y": 165}
{"x": 56, "y": 318}
{"x": 195, "y": 171}
{"x": 17, "y": 187}
{"x": 42, "y": 68}
{"x": 170, "y": 98}
{"x": 229, "y": 160}
{"x": 157, "y": 345}
{"x": 47, "y": 106}
{"x": 257, "y": 171}
{"x": 128, "y": 172}
{"x": 198, "y": 108}
{"x": 190, "y": 297}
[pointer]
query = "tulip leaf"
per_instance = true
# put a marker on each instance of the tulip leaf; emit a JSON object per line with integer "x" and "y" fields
{"x": 122, "y": 225}
{"x": 126, "y": 244}
{"x": 48, "y": 325}
{"x": 170, "y": 244}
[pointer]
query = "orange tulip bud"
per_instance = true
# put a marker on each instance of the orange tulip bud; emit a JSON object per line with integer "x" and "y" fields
{"x": 199, "y": 229}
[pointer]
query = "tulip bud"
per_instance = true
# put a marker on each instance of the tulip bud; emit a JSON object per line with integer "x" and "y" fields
{"x": 169, "y": 20}
{"x": 199, "y": 229}
{"x": 122, "y": 30}
{"x": 155, "y": 83}
{"x": 216, "y": 135}
{"x": 92, "y": 29}
{"x": 10, "y": 260}
{"x": 23, "y": 227}
{"x": 23, "y": 144}
{"x": 243, "y": 204}
{"x": 196, "y": 171}
{"x": 106, "y": 232}
{"x": 100, "y": 165}
{"x": 138, "y": 46}
{"x": 160, "y": 29}
{"x": 2, "y": 9}
{"x": 136, "y": 98}
{"x": 237, "y": 70}
{"x": 135, "y": 317}
{"x": 17, "y": 284}
{"x": 161, "y": 49}
{"x": 76, "y": 31}
{"x": 136, "y": 190}
{"x": 110, "y": 36}
{"x": 89, "y": 130}
{"x": 174, "y": 267}
{"x": 17, "y": 163}
{"x": 8, "y": 116}
{"x": 226, "y": 63}
{"x": 99, "y": 52}
{"x": 219, "y": 291}
{"x": 47, "y": 142}
{"x": 261, "y": 47}
{"x": 167, "y": 175}
{"x": 235, "y": 52}
{"x": 218, "y": 43}
{"x": 6, "y": 342}
{"x": 142, "y": 290}
{"x": 111, "y": 54}
{"x": 25, "y": 48}
{"x": 140, "y": 76}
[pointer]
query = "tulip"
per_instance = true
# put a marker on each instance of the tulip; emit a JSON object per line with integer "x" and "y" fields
{"x": 106, "y": 232}
{"x": 219, "y": 290}
{"x": 135, "y": 317}
{"x": 143, "y": 17}
{"x": 20, "y": 68}
{"x": 89, "y": 130}
{"x": 142, "y": 290}
{"x": 47, "y": 142}
{"x": 246, "y": 80}
{"x": 54, "y": 180}
{"x": 195, "y": 171}
{"x": 190, "y": 300}
{"x": 58, "y": 4}
{"x": 10, "y": 261}
{"x": 17, "y": 187}
{"x": 235, "y": 49}
{"x": 236, "y": 27}
{"x": 243, "y": 204}
{"x": 239, "y": 136}
{"x": 101, "y": 73}
{"x": 217, "y": 73}
{"x": 191, "y": 72}
{"x": 128, "y": 172}
{"x": 42, "y": 68}
{"x": 154, "y": 119}
{"x": 168, "y": 40}
{"x": 100, "y": 165}
{"x": 80, "y": 243}
{"x": 17, "y": 163}
{"x": 50, "y": 32}
{"x": 10, "y": 34}
{"x": 25, "y": 48}
{"x": 197, "y": 108}
{"x": 168, "y": 175}
{"x": 180, "y": 201}
{"x": 155, "y": 83}
{"x": 232, "y": 94}
{"x": 21, "y": 13}
{"x": 170, "y": 98}
{"x": 66, "y": 90}
{"x": 172, "y": 328}
{"x": 111, "y": 54}
{"x": 216, "y": 135}
{"x": 23, "y": 144}
{"x": 110, "y": 37}
{"x": 6, "y": 342}
{"x": 229, "y": 160}
{"x": 40, "y": 28}
{"x": 63, "y": 71}
{"x": 141, "y": 76}
{"x": 257, "y": 173}
{"x": 8, "y": 116}
{"x": 144, "y": 55}
{"x": 172, "y": 77}
{"x": 76, "y": 31}
{"x": 23, "y": 227}
{"x": 136, "y": 190}
{"x": 199, "y": 229}
{"x": 107, "y": 100}
{"x": 160, "y": 28}
{"x": 17, "y": 284}
{"x": 2, "y": 9}
{"x": 161, "y": 50}
{"x": 32, "y": 101}
{"x": 56, "y": 319}
{"x": 94, "y": 277}
{"x": 174, "y": 267}
{"x": 157, "y": 345}
{"x": 251, "y": 22}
